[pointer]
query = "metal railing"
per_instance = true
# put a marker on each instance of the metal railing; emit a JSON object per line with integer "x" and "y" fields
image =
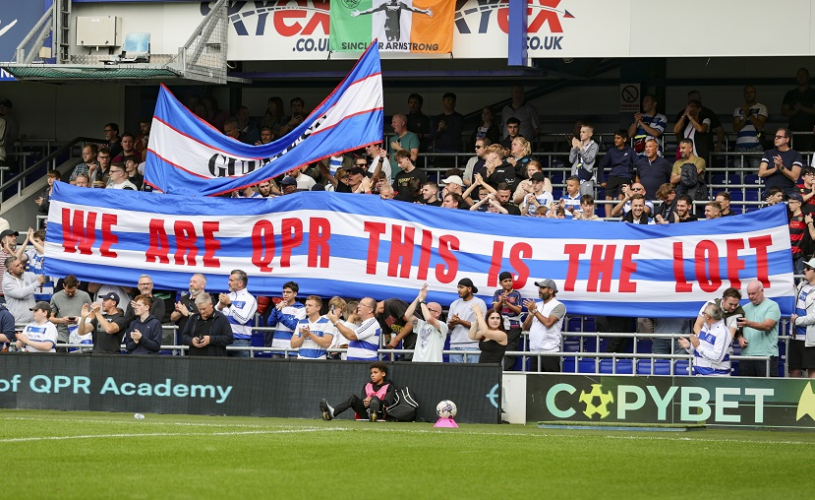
{"x": 16, "y": 184}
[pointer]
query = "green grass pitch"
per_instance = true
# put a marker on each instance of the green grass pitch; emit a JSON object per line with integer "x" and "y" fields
{"x": 50, "y": 454}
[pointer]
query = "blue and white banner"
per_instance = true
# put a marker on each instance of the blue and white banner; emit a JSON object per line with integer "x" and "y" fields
{"x": 356, "y": 245}
{"x": 187, "y": 156}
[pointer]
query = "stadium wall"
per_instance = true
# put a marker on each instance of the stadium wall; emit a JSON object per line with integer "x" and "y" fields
{"x": 235, "y": 387}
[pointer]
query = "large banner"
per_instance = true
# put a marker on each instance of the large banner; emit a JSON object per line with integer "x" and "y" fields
{"x": 399, "y": 25}
{"x": 717, "y": 401}
{"x": 355, "y": 245}
{"x": 188, "y": 156}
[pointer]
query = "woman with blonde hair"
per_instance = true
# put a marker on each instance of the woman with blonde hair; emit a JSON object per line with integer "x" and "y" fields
{"x": 520, "y": 154}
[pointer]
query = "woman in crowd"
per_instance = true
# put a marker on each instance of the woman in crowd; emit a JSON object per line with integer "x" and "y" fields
{"x": 520, "y": 154}
{"x": 275, "y": 116}
{"x": 490, "y": 333}
{"x": 525, "y": 186}
{"x": 488, "y": 128}
{"x": 667, "y": 194}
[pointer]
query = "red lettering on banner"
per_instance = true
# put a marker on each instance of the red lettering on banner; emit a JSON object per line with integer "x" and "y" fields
{"x": 424, "y": 254}
{"x": 211, "y": 244}
{"x": 159, "y": 250}
{"x": 760, "y": 244}
{"x": 627, "y": 268}
{"x": 447, "y": 244}
{"x": 517, "y": 253}
{"x": 291, "y": 236}
{"x": 706, "y": 255}
{"x": 79, "y": 235}
{"x": 185, "y": 240}
{"x": 495, "y": 264}
{"x": 263, "y": 245}
{"x": 682, "y": 284}
{"x": 707, "y": 267}
{"x": 734, "y": 263}
{"x": 601, "y": 266}
{"x": 108, "y": 238}
{"x": 374, "y": 230}
{"x": 401, "y": 256}
{"x": 574, "y": 251}
{"x": 537, "y": 17}
{"x": 319, "y": 232}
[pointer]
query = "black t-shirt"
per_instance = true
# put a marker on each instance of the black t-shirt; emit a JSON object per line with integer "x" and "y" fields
{"x": 343, "y": 188}
{"x": 436, "y": 203}
{"x": 503, "y": 173}
{"x": 401, "y": 181}
{"x": 512, "y": 209}
{"x": 801, "y": 121}
{"x": 104, "y": 343}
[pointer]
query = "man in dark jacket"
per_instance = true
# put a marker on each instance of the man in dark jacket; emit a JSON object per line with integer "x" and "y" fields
{"x": 7, "y": 330}
{"x": 208, "y": 332}
{"x": 143, "y": 336}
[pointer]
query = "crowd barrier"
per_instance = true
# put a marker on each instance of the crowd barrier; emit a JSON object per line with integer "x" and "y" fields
{"x": 228, "y": 386}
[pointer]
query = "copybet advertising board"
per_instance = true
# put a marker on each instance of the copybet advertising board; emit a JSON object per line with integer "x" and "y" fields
{"x": 721, "y": 401}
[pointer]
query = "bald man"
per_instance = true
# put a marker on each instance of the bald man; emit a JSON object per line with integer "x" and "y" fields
{"x": 404, "y": 140}
{"x": 430, "y": 331}
{"x": 760, "y": 338}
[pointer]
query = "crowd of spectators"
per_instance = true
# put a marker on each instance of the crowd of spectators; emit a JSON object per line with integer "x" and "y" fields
{"x": 634, "y": 180}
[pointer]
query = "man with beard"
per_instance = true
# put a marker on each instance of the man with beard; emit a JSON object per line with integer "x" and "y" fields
{"x": 459, "y": 320}
{"x": 545, "y": 324}
{"x": 185, "y": 305}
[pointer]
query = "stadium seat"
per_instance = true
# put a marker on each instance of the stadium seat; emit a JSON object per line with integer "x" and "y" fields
{"x": 588, "y": 365}
{"x": 681, "y": 367}
{"x": 571, "y": 345}
{"x": 623, "y": 366}
{"x": 556, "y": 178}
{"x": 660, "y": 367}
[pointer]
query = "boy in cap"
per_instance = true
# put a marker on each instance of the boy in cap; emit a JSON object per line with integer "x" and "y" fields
{"x": 106, "y": 322}
{"x": 460, "y": 316}
{"x": 40, "y": 335}
{"x": 508, "y": 302}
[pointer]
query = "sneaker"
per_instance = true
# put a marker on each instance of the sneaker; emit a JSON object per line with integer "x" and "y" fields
{"x": 327, "y": 410}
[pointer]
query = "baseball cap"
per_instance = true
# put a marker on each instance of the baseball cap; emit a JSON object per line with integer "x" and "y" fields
{"x": 797, "y": 197}
{"x": 810, "y": 263}
{"x": 8, "y": 232}
{"x": 356, "y": 171}
{"x": 111, "y": 295}
{"x": 547, "y": 284}
{"x": 538, "y": 176}
{"x": 42, "y": 306}
{"x": 318, "y": 187}
{"x": 505, "y": 275}
{"x": 468, "y": 282}
{"x": 453, "y": 179}
{"x": 288, "y": 181}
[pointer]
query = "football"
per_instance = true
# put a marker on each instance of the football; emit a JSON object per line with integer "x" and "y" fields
{"x": 446, "y": 409}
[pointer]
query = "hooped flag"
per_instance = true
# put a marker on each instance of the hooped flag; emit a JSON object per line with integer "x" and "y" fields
{"x": 187, "y": 156}
{"x": 353, "y": 245}
{"x": 399, "y": 25}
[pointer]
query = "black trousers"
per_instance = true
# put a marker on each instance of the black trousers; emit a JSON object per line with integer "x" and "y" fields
{"x": 358, "y": 406}
{"x": 756, "y": 368}
{"x": 513, "y": 339}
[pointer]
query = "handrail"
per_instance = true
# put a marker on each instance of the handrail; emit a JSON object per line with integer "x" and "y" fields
{"x": 17, "y": 179}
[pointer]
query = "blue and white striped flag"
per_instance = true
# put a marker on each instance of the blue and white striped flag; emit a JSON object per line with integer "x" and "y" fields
{"x": 187, "y": 156}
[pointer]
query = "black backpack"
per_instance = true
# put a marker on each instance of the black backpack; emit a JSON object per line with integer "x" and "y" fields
{"x": 405, "y": 407}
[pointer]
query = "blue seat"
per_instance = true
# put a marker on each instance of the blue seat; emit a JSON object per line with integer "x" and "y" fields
{"x": 681, "y": 367}
{"x": 660, "y": 367}
{"x": 752, "y": 179}
{"x": 587, "y": 366}
{"x": 556, "y": 178}
{"x": 736, "y": 196}
{"x": 571, "y": 345}
{"x": 623, "y": 366}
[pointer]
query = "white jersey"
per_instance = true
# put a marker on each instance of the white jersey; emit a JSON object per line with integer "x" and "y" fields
{"x": 310, "y": 349}
{"x": 47, "y": 332}
{"x": 240, "y": 313}
{"x": 339, "y": 339}
{"x": 366, "y": 347}
{"x": 712, "y": 357}
{"x": 429, "y": 341}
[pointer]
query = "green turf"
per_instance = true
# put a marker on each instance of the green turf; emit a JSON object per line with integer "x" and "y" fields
{"x": 111, "y": 455}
